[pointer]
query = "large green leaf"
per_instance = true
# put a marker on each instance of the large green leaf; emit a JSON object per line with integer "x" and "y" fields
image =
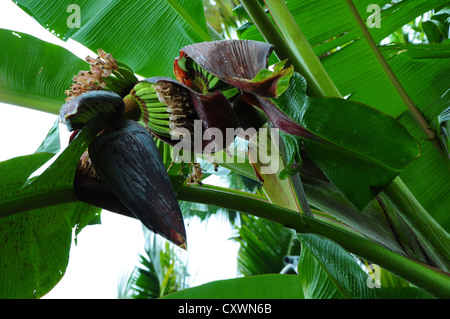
{"x": 35, "y": 73}
{"x": 329, "y": 26}
{"x": 421, "y": 69}
{"x": 145, "y": 34}
{"x": 365, "y": 149}
{"x": 428, "y": 177}
{"x": 327, "y": 271}
{"x": 34, "y": 249}
{"x": 253, "y": 287}
{"x": 35, "y": 243}
{"x": 357, "y": 71}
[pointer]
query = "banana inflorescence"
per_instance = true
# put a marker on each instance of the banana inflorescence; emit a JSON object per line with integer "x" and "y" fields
{"x": 164, "y": 108}
{"x": 128, "y": 162}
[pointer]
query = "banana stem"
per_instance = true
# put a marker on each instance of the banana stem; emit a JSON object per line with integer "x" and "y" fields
{"x": 306, "y": 61}
{"x": 290, "y": 43}
{"x": 431, "y": 280}
{"x": 294, "y": 46}
{"x": 37, "y": 200}
{"x": 433, "y": 237}
{"x": 265, "y": 26}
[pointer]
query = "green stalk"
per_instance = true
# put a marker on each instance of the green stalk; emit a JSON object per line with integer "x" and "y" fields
{"x": 429, "y": 279}
{"x": 292, "y": 44}
{"x": 426, "y": 228}
{"x": 283, "y": 51}
{"x": 297, "y": 185}
{"x": 412, "y": 108}
{"x": 36, "y": 200}
{"x": 309, "y": 64}
{"x": 305, "y": 61}
{"x": 265, "y": 26}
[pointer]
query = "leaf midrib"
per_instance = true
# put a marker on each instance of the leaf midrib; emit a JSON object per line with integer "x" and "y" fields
{"x": 186, "y": 17}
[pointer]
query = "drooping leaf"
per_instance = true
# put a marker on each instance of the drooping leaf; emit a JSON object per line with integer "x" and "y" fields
{"x": 327, "y": 271}
{"x": 35, "y": 244}
{"x": 421, "y": 69}
{"x": 35, "y": 249}
{"x": 35, "y": 73}
{"x": 365, "y": 149}
{"x": 253, "y": 287}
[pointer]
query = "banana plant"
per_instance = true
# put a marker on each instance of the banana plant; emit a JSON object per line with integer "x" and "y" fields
{"x": 362, "y": 182}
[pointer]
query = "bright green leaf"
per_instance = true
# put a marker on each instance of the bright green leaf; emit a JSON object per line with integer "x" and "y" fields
{"x": 366, "y": 149}
{"x": 35, "y": 73}
{"x": 253, "y": 287}
{"x": 145, "y": 34}
{"x": 51, "y": 143}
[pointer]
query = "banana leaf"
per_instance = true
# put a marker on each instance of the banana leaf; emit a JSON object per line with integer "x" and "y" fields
{"x": 364, "y": 150}
{"x": 320, "y": 271}
{"x": 421, "y": 69}
{"x": 150, "y": 32}
{"x": 35, "y": 244}
{"x": 253, "y": 287}
{"x": 35, "y": 73}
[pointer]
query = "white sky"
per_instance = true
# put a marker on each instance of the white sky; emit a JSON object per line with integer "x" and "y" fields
{"x": 104, "y": 253}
